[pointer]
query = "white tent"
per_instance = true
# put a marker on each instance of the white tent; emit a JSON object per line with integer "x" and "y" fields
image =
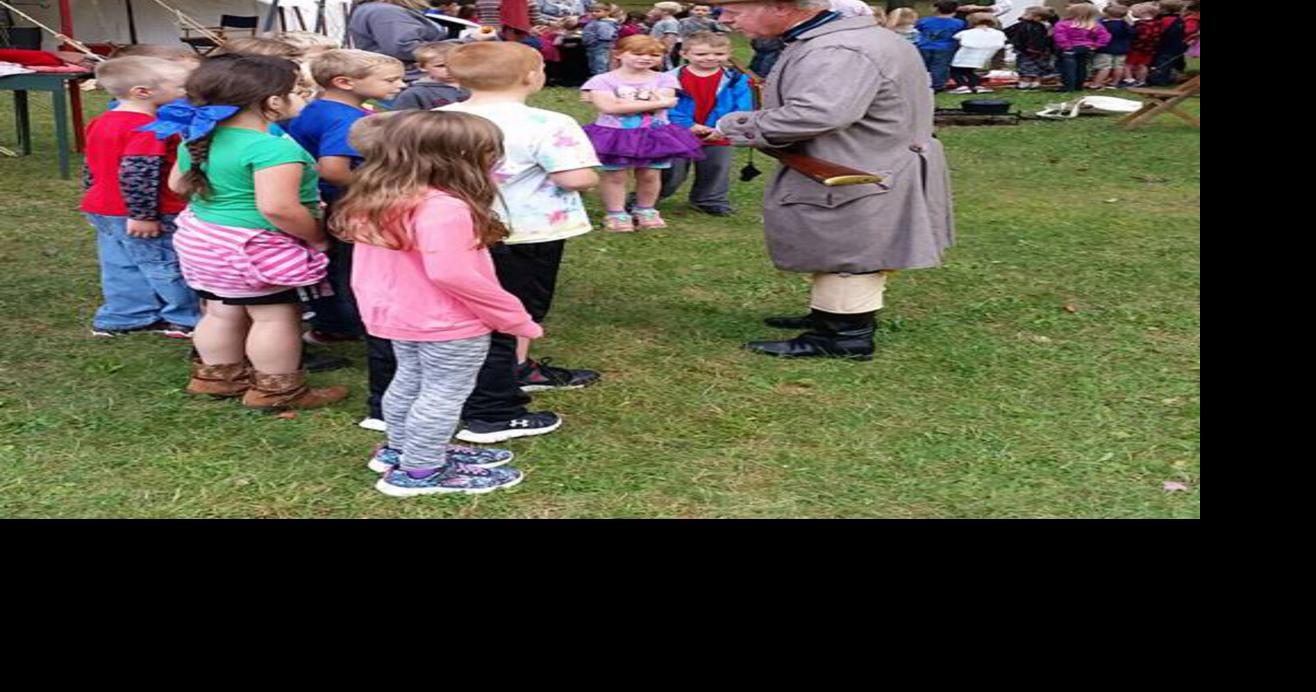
{"x": 102, "y": 21}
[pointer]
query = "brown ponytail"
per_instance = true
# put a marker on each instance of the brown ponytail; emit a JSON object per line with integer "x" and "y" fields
{"x": 195, "y": 182}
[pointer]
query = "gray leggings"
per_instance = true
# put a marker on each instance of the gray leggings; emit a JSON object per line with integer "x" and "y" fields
{"x": 423, "y": 404}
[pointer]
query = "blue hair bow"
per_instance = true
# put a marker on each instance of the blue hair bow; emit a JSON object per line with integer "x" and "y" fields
{"x": 182, "y": 118}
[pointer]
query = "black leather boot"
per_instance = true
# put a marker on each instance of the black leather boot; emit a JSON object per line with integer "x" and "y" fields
{"x": 832, "y": 336}
{"x": 791, "y": 322}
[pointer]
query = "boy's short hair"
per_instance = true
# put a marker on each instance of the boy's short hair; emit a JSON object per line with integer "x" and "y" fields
{"x": 706, "y": 38}
{"x": 981, "y": 19}
{"x": 493, "y": 66}
{"x": 1037, "y": 11}
{"x": 1171, "y": 6}
{"x": 258, "y": 45}
{"x": 668, "y": 7}
{"x": 348, "y": 62}
{"x": 152, "y": 50}
{"x": 946, "y": 6}
{"x": 1116, "y": 11}
{"x": 431, "y": 51}
{"x": 120, "y": 75}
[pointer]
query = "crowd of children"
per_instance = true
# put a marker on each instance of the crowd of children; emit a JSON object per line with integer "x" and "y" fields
{"x": 1122, "y": 44}
{"x": 286, "y": 179}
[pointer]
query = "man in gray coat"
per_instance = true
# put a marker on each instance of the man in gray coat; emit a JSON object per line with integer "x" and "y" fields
{"x": 847, "y": 91}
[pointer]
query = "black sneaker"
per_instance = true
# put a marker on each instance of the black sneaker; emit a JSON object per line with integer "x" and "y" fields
{"x": 713, "y": 211}
{"x": 529, "y": 425}
{"x": 539, "y": 376}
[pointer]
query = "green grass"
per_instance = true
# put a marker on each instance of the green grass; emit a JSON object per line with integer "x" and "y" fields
{"x": 988, "y": 398}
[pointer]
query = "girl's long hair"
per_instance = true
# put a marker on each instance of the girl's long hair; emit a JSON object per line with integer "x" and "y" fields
{"x": 406, "y": 156}
{"x": 1083, "y": 16}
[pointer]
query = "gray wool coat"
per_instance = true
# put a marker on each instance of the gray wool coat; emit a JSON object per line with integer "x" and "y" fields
{"x": 857, "y": 94}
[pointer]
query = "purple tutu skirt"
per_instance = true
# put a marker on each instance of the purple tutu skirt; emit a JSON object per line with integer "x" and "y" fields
{"x": 641, "y": 146}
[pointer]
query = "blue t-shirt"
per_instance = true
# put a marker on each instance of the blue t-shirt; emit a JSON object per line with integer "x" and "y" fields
{"x": 1121, "y": 37}
{"x": 322, "y": 129}
{"x": 938, "y": 33}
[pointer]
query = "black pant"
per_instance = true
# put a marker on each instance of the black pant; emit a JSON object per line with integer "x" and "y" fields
{"x": 965, "y": 76}
{"x": 380, "y": 366}
{"x": 1074, "y": 67}
{"x": 529, "y": 272}
{"x": 338, "y": 313}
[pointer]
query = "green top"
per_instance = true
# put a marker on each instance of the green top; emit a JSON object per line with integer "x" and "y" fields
{"x": 235, "y": 156}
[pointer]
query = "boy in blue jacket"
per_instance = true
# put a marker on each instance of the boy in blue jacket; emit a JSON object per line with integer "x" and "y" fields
{"x": 708, "y": 91}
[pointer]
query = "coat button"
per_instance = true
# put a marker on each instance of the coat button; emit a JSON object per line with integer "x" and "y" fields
{"x": 916, "y": 148}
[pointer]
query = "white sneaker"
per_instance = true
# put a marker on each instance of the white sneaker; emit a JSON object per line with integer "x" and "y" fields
{"x": 983, "y": 90}
{"x": 373, "y": 424}
{"x": 961, "y": 90}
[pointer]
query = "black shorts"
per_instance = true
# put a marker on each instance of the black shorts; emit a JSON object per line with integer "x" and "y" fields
{"x": 300, "y": 294}
{"x": 529, "y": 272}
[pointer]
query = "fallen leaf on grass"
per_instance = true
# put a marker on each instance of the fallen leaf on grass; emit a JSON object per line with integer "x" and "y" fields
{"x": 1070, "y": 308}
{"x": 286, "y": 415}
{"x": 1173, "y": 486}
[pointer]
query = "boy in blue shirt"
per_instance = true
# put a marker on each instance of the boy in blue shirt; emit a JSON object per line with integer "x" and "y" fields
{"x": 349, "y": 79}
{"x": 936, "y": 40}
{"x": 708, "y": 91}
{"x": 1109, "y": 61}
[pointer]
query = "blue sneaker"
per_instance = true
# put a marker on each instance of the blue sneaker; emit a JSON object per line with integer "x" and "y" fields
{"x": 453, "y": 478}
{"x": 386, "y": 458}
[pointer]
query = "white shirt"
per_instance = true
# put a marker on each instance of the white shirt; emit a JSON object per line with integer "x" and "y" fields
{"x": 851, "y": 8}
{"x": 977, "y": 46}
{"x": 536, "y": 142}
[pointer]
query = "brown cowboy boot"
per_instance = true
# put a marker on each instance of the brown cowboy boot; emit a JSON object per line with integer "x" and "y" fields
{"x": 220, "y": 381}
{"x": 288, "y": 391}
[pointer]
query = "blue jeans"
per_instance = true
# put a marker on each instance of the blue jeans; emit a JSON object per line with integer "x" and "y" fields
{"x": 599, "y": 59}
{"x": 1074, "y": 67}
{"x": 140, "y": 278}
{"x": 938, "y": 64}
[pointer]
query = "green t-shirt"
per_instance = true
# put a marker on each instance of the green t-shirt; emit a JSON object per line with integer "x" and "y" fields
{"x": 235, "y": 156}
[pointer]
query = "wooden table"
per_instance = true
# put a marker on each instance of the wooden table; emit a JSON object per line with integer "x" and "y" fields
{"x": 59, "y": 85}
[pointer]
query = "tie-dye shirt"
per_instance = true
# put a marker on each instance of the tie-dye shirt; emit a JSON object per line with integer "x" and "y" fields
{"x": 536, "y": 143}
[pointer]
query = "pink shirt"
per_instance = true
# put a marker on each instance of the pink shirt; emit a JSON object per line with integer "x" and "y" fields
{"x": 443, "y": 289}
{"x": 1068, "y": 36}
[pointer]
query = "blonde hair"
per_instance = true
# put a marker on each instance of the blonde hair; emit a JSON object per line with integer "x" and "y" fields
{"x": 706, "y": 38}
{"x": 1037, "y": 12}
{"x": 1145, "y": 10}
{"x": 1084, "y": 16}
{"x": 982, "y": 19}
{"x": 1115, "y": 11}
{"x": 641, "y": 45}
{"x": 901, "y": 18}
{"x": 259, "y": 45}
{"x": 408, "y": 155}
{"x": 351, "y": 63}
{"x": 121, "y": 75}
{"x": 306, "y": 41}
{"x": 430, "y": 51}
{"x": 671, "y": 8}
{"x": 490, "y": 66}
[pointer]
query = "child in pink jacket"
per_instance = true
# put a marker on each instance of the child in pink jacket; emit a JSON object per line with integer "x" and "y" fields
{"x": 419, "y": 211}
{"x": 1076, "y": 37}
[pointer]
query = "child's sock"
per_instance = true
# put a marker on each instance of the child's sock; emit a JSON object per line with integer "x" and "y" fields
{"x": 618, "y": 213}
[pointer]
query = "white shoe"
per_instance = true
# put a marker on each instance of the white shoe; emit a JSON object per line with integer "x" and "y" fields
{"x": 983, "y": 90}
{"x": 961, "y": 90}
{"x": 373, "y": 424}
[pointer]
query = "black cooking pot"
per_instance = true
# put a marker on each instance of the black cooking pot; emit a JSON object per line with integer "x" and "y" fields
{"x": 986, "y": 107}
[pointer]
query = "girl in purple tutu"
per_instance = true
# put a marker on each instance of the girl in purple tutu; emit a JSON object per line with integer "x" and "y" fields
{"x": 632, "y": 132}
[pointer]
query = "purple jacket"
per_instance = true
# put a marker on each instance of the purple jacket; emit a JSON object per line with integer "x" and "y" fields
{"x": 1068, "y": 37}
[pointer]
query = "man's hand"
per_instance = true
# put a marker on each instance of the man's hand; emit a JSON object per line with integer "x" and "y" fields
{"x": 143, "y": 229}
